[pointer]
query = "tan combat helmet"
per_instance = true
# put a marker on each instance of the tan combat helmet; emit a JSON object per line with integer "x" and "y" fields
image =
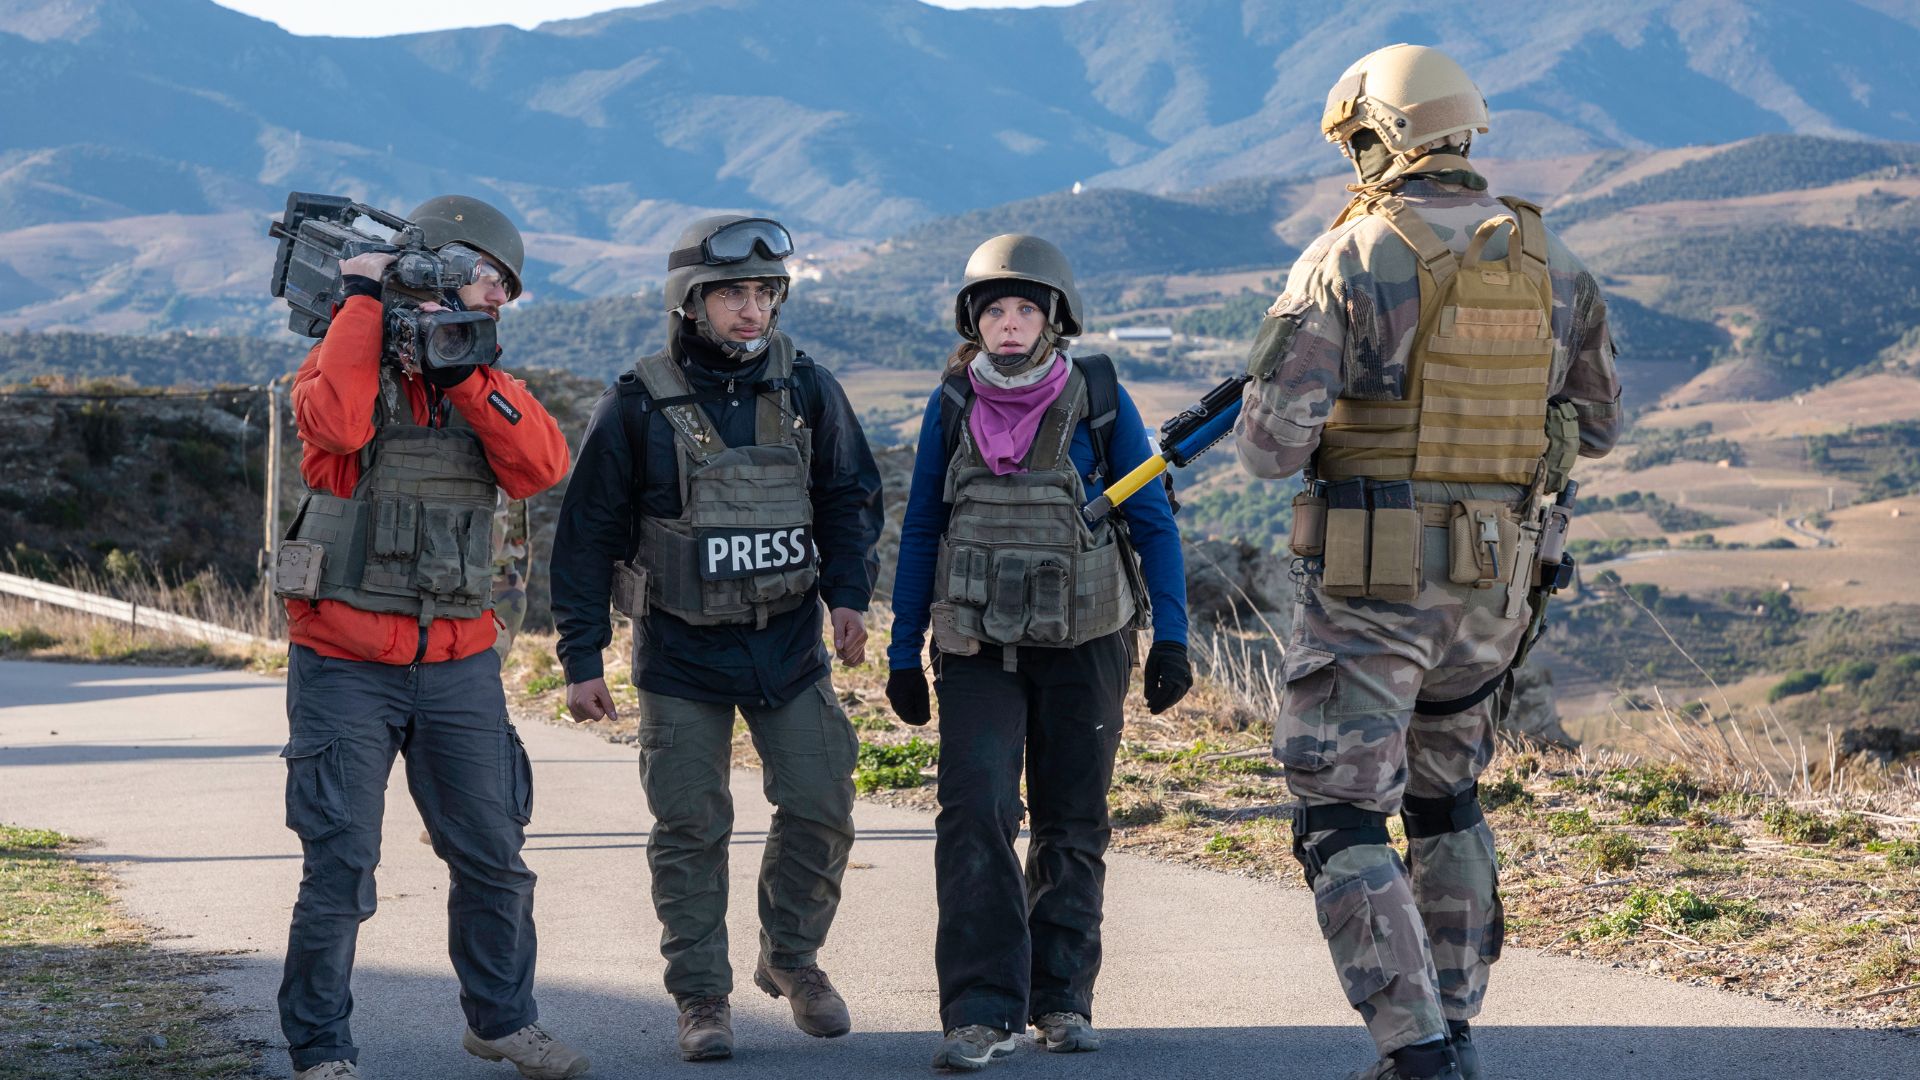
{"x": 1414, "y": 98}
{"x": 463, "y": 219}
{"x": 722, "y": 248}
{"x": 1017, "y": 257}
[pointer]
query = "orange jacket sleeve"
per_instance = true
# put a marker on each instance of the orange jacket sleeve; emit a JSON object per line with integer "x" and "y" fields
{"x": 522, "y": 441}
{"x": 334, "y": 392}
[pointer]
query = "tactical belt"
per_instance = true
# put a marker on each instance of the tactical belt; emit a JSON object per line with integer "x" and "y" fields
{"x": 1443, "y": 814}
{"x": 1449, "y": 706}
{"x": 1350, "y": 825}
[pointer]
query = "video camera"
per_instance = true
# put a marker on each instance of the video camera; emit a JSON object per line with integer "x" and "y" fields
{"x": 319, "y": 231}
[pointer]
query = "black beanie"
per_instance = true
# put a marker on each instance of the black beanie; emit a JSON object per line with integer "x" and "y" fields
{"x": 987, "y": 292}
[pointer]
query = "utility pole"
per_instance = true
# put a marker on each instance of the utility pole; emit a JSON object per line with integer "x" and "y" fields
{"x": 272, "y": 545}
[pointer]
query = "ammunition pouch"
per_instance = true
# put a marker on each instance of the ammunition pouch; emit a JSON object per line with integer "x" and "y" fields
{"x": 1347, "y": 825}
{"x": 1371, "y": 541}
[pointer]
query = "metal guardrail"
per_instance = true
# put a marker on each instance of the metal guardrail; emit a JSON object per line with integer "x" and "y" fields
{"x": 127, "y": 612}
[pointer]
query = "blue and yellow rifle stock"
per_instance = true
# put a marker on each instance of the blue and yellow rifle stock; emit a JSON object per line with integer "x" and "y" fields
{"x": 1182, "y": 439}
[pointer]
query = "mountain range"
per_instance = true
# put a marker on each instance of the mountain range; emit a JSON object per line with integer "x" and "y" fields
{"x": 863, "y": 117}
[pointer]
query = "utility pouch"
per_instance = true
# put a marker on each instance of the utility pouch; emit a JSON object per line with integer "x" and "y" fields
{"x": 442, "y": 547}
{"x": 296, "y": 569}
{"x": 967, "y": 576}
{"x": 1563, "y": 443}
{"x": 1049, "y": 584}
{"x": 1005, "y": 619}
{"x": 1309, "y": 536}
{"x": 947, "y": 637}
{"x": 1395, "y": 539}
{"x": 1481, "y": 542}
{"x": 396, "y": 528}
{"x": 1553, "y": 543}
{"x": 630, "y": 590}
{"x": 1345, "y": 570}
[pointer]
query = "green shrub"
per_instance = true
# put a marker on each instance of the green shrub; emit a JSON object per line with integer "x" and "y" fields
{"x": 1697, "y": 839}
{"x": 1571, "y": 823}
{"x": 26, "y": 639}
{"x": 1675, "y": 909}
{"x": 896, "y": 766}
{"x": 1612, "y": 852}
{"x": 1509, "y": 790}
{"x": 1800, "y": 682}
{"x": 1652, "y": 793}
{"x": 540, "y": 684}
{"x": 1850, "y": 673}
{"x": 1224, "y": 843}
{"x": 1808, "y": 827}
{"x": 1901, "y": 854}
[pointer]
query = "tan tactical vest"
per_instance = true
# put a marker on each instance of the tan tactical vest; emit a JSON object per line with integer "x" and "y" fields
{"x": 1476, "y": 380}
{"x": 742, "y": 548}
{"x": 416, "y": 538}
{"x": 1018, "y": 564}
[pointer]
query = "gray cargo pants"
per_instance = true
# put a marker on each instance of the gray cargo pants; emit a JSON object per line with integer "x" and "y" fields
{"x": 469, "y": 776}
{"x": 807, "y": 749}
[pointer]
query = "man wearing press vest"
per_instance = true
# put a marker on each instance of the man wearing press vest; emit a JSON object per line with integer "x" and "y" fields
{"x": 724, "y": 495}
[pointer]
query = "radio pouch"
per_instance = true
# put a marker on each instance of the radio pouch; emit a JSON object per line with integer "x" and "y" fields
{"x": 1309, "y": 537}
{"x": 946, "y": 632}
{"x": 630, "y": 590}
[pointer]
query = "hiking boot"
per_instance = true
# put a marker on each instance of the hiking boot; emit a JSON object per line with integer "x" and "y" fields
{"x": 1429, "y": 1061}
{"x": 1467, "y": 1054}
{"x": 538, "y": 1055}
{"x": 818, "y": 1009}
{"x": 1066, "y": 1033}
{"x": 706, "y": 1029}
{"x": 329, "y": 1070}
{"x": 972, "y": 1047}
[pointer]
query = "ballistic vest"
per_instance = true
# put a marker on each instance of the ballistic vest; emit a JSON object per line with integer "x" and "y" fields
{"x": 415, "y": 538}
{"x": 1018, "y": 564}
{"x": 1475, "y": 396}
{"x": 742, "y": 548}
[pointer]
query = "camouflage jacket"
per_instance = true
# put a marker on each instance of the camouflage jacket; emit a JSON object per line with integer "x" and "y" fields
{"x": 1346, "y": 325}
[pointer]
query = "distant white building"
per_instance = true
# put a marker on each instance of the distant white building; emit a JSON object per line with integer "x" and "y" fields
{"x": 1143, "y": 333}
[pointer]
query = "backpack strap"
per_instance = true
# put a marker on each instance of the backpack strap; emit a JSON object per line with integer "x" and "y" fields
{"x": 1103, "y": 407}
{"x": 956, "y": 393}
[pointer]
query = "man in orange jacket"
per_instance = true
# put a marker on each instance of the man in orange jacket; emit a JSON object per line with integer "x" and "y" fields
{"x": 392, "y": 630}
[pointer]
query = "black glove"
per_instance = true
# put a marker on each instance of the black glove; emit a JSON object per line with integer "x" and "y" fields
{"x": 907, "y": 693}
{"x": 1168, "y": 676}
{"x": 449, "y": 377}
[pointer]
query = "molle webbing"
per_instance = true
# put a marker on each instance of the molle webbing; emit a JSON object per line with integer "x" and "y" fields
{"x": 1476, "y": 384}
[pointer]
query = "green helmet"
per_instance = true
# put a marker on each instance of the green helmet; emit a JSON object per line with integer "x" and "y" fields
{"x": 725, "y": 247}
{"x": 1016, "y": 257}
{"x": 463, "y": 219}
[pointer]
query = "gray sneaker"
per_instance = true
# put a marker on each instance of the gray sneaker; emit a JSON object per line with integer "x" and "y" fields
{"x": 1460, "y": 1034}
{"x": 1436, "y": 1064}
{"x": 818, "y": 1009}
{"x": 329, "y": 1070}
{"x": 972, "y": 1047}
{"x": 1066, "y": 1033}
{"x": 706, "y": 1029}
{"x": 538, "y": 1055}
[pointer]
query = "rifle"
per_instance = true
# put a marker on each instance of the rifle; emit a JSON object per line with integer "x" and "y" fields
{"x": 1193, "y": 432}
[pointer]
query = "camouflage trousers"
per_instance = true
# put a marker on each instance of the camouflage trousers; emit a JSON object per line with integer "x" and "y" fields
{"x": 1411, "y": 941}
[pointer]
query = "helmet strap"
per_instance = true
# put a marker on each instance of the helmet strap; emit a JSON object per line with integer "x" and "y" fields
{"x": 1043, "y": 346}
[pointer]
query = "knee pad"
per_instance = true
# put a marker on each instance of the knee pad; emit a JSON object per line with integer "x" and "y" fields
{"x": 1443, "y": 814}
{"x": 1348, "y": 826}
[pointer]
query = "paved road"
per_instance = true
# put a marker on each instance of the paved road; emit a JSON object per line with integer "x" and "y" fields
{"x": 174, "y": 775}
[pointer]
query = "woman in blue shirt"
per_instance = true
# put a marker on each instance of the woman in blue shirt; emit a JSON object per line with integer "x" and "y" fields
{"x": 1033, "y": 614}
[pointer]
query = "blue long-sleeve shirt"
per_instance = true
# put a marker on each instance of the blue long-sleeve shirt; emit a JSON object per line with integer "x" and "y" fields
{"x": 1149, "y": 523}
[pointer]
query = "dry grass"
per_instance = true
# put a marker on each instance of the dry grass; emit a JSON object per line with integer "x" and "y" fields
{"x": 33, "y": 630}
{"x": 82, "y": 991}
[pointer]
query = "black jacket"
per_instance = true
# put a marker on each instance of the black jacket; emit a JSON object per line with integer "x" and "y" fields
{"x": 735, "y": 664}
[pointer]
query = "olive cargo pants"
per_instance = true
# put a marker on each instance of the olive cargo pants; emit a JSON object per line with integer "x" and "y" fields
{"x": 807, "y": 749}
{"x": 469, "y": 776}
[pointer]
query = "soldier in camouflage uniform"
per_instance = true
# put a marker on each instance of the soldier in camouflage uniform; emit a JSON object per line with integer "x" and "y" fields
{"x": 1408, "y": 358}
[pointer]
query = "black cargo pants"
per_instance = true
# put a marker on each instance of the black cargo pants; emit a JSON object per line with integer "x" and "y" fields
{"x": 469, "y": 776}
{"x": 1013, "y": 945}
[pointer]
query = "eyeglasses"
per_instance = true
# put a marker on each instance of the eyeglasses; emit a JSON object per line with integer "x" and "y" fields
{"x": 489, "y": 275}
{"x": 736, "y": 297}
{"x": 736, "y": 243}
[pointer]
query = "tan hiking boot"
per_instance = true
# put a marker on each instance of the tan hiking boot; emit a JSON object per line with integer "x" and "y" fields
{"x": 329, "y": 1070}
{"x": 538, "y": 1055}
{"x": 706, "y": 1029}
{"x": 818, "y": 1009}
{"x": 973, "y": 1047}
{"x": 1066, "y": 1033}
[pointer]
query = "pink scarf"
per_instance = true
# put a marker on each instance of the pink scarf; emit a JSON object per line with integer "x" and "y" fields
{"x": 1004, "y": 422}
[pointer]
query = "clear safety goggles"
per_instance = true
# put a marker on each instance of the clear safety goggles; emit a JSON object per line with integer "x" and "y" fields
{"x": 485, "y": 271}
{"x": 736, "y": 243}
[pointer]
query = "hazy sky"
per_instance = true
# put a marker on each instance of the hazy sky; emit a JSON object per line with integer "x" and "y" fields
{"x": 367, "y": 18}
